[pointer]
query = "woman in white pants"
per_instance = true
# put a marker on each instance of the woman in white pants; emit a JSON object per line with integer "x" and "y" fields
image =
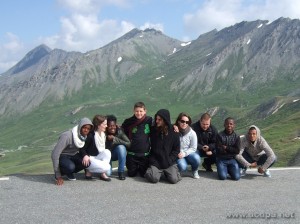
{"x": 94, "y": 154}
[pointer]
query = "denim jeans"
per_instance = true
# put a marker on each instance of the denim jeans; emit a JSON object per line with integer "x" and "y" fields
{"x": 118, "y": 153}
{"x": 261, "y": 160}
{"x": 193, "y": 159}
{"x": 70, "y": 164}
{"x": 228, "y": 166}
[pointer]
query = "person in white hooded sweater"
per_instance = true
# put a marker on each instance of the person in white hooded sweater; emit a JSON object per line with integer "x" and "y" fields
{"x": 65, "y": 155}
{"x": 94, "y": 154}
{"x": 255, "y": 152}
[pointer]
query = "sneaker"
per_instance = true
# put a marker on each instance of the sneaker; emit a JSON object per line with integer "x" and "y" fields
{"x": 71, "y": 176}
{"x": 243, "y": 172}
{"x": 196, "y": 175}
{"x": 267, "y": 173}
{"x": 207, "y": 168}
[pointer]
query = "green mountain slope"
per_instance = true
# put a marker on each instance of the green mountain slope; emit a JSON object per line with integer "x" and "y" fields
{"x": 247, "y": 71}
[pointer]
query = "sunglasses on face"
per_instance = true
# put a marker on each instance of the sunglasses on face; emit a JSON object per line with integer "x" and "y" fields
{"x": 184, "y": 122}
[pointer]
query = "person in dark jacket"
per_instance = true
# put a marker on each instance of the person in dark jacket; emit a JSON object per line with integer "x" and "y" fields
{"x": 207, "y": 138}
{"x": 165, "y": 147}
{"x": 228, "y": 146}
{"x": 116, "y": 142}
{"x": 137, "y": 128}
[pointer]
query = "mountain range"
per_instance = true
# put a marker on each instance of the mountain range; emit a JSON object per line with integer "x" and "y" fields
{"x": 250, "y": 70}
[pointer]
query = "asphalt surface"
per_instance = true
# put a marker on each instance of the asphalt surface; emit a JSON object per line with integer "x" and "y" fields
{"x": 253, "y": 199}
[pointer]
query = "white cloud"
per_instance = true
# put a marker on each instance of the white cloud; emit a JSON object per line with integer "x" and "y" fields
{"x": 11, "y": 50}
{"x": 82, "y": 30}
{"x": 13, "y": 43}
{"x": 216, "y": 14}
{"x": 157, "y": 26}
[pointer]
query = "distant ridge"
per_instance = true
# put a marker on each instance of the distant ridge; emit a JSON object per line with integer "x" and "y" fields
{"x": 235, "y": 61}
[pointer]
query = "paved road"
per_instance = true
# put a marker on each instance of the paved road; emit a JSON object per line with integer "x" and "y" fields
{"x": 35, "y": 199}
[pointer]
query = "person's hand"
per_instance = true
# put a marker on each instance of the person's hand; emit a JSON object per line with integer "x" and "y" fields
{"x": 59, "y": 181}
{"x": 181, "y": 155}
{"x": 208, "y": 153}
{"x": 205, "y": 148}
{"x": 253, "y": 165}
{"x": 176, "y": 129}
{"x": 260, "y": 170}
{"x": 86, "y": 161}
{"x": 223, "y": 149}
{"x": 110, "y": 137}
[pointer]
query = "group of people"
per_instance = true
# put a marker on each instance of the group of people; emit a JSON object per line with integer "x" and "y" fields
{"x": 154, "y": 147}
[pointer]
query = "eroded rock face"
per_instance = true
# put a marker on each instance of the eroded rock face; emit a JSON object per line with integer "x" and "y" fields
{"x": 241, "y": 57}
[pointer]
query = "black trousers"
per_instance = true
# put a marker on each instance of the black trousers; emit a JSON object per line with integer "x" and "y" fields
{"x": 136, "y": 164}
{"x": 208, "y": 160}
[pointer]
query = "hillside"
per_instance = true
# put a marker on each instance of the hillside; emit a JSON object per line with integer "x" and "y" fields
{"x": 249, "y": 71}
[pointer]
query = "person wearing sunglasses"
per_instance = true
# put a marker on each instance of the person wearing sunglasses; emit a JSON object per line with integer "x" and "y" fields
{"x": 188, "y": 145}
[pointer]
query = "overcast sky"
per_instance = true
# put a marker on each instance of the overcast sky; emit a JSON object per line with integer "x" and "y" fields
{"x": 83, "y": 25}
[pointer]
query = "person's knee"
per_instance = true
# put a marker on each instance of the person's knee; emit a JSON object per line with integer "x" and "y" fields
{"x": 222, "y": 176}
{"x": 132, "y": 173}
{"x": 173, "y": 179}
{"x": 68, "y": 168}
{"x": 236, "y": 178}
{"x": 107, "y": 167}
{"x": 182, "y": 167}
{"x": 107, "y": 153}
{"x": 151, "y": 178}
{"x": 142, "y": 171}
{"x": 122, "y": 149}
{"x": 197, "y": 158}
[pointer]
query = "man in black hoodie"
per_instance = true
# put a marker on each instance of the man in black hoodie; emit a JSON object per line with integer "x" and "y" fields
{"x": 165, "y": 147}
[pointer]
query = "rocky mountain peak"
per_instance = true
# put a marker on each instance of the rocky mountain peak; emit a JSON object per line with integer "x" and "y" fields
{"x": 237, "y": 58}
{"x": 31, "y": 58}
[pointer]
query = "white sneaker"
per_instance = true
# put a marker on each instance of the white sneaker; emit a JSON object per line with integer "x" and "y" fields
{"x": 267, "y": 173}
{"x": 196, "y": 175}
{"x": 243, "y": 172}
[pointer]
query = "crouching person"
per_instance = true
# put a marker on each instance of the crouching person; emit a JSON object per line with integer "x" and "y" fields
{"x": 95, "y": 156}
{"x": 65, "y": 157}
{"x": 255, "y": 152}
{"x": 165, "y": 147}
